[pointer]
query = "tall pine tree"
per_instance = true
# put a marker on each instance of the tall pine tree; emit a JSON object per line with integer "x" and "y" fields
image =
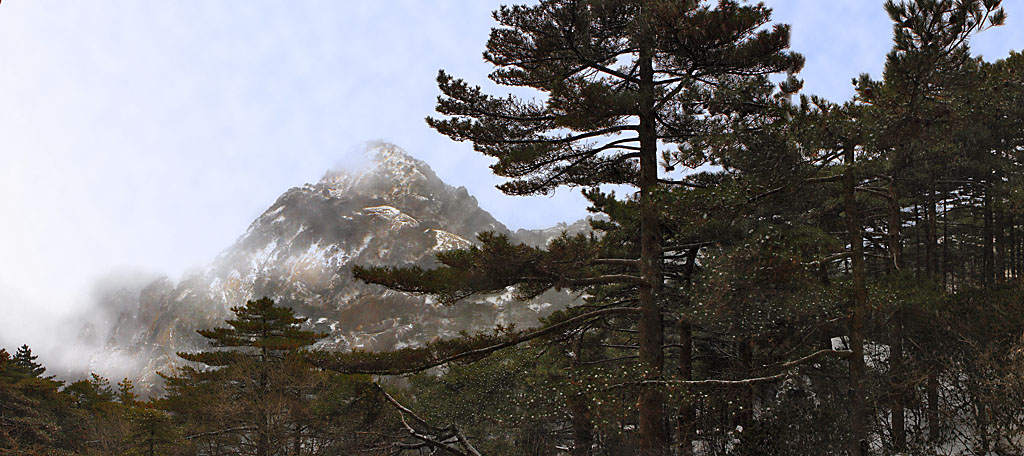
{"x": 621, "y": 78}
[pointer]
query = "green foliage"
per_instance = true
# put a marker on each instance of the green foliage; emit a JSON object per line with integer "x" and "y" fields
{"x": 272, "y": 331}
{"x": 730, "y": 280}
{"x": 569, "y": 262}
{"x": 25, "y": 361}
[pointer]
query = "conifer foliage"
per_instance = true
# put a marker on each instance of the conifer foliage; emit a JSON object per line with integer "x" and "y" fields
{"x": 259, "y": 370}
{"x": 821, "y": 277}
{"x": 260, "y": 329}
{"x": 620, "y": 78}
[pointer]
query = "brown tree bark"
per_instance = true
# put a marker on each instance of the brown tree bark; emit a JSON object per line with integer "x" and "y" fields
{"x": 1012, "y": 247}
{"x": 653, "y": 431}
{"x": 858, "y": 309}
{"x": 745, "y": 415}
{"x": 932, "y": 391}
{"x": 579, "y": 411}
{"x": 687, "y": 419}
{"x": 931, "y": 259}
{"x": 895, "y": 221}
{"x": 582, "y": 426}
{"x": 988, "y": 232}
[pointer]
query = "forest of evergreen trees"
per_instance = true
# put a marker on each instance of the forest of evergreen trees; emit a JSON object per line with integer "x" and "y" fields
{"x": 789, "y": 275}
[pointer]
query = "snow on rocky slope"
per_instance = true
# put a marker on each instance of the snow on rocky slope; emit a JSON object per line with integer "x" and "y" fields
{"x": 300, "y": 251}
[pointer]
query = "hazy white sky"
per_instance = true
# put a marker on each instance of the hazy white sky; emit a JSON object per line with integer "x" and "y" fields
{"x": 147, "y": 135}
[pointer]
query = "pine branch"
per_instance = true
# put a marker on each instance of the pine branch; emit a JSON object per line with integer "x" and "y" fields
{"x": 787, "y": 371}
{"x": 335, "y": 361}
{"x": 607, "y": 279}
{"x": 633, "y": 263}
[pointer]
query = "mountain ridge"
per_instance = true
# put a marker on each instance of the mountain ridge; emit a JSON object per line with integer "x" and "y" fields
{"x": 300, "y": 252}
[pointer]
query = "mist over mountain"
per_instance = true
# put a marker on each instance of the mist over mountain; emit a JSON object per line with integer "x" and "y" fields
{"x": 300, "y": 252}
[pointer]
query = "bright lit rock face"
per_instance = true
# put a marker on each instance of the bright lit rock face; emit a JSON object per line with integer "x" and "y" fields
{"x": 300, "y": 252}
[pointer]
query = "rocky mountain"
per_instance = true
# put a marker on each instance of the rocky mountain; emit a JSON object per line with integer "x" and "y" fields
{"x": 300, "y": 251}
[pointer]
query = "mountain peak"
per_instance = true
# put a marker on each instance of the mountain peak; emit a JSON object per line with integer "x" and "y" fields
{"x": 391, "y": 210}
{"x": 379, "y": 160}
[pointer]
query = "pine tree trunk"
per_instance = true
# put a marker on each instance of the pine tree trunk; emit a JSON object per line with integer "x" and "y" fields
{"x": 858, "y": 307}
{"x": 687, "y": 419}
{"x": 582, "y": 426}
{"x": 654, "y": 436}
{"x": 895, "y": 221}
{"x": 1012, "y": 241}
{"x": 745, "y": 415}
{"x": 988, "y": 230}
{"x": 917, "y": 243}
{"x": 999, "y": 243}
{"x": 932, "y": 388}
{"x": 896, "y": 379}
{"x": 899, "y": 433}
{"x": 930, "y": 256}
{"x": 579, "y": 412}
{"x": 932, "y": 384}
{"x": 982, "y": 430}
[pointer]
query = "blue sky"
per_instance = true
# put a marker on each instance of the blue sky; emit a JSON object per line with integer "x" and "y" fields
{"x": 147, "y": 135}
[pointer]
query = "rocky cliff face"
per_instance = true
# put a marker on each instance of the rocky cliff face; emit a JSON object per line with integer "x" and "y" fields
{"x": 300, "y": 252}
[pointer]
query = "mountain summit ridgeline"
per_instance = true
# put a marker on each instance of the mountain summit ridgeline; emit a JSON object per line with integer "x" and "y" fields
{"x": 300, "y": 252}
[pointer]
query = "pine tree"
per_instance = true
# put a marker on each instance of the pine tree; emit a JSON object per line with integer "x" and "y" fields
{"x": 259, "y": 362}
{"x": 619, "y": 78}
{"x": 911, "y": 116}
{"x": 26, "y": 361}
{"x": 125, "y": 393}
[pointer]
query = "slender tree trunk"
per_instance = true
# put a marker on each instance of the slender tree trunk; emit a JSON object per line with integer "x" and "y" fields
{"x": 899, "y": 433}
{"x": 654, "y": 436}
{"x": 579, "y": 410}
{"x": 942, "y": 267}
{"x": 1018, "y": 251}
{"x": 895, "y": 221}
{"x": 897, "y": 381}
{"x": 582, "y": 426}
{"x": 932, "y": 387}
{"x": 746, "y": 394}
{"x": 858, "y": 308}
{"x": 917, "y": 245}
{"x": 932, "y": 384}
{"x": 687, "y": 420}
{"x": 982, "y": 425}
{"x": 930, "y": 241}
{"x": 263, "y": 428}
{"x": 988, "y": 232}
{"x": 999, "y": 251}
{"x": 1013, "y": 246}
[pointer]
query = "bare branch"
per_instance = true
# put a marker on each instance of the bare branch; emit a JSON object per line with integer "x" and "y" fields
{"x": 787, "y": 366}
{"x": 439, "y": 441}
